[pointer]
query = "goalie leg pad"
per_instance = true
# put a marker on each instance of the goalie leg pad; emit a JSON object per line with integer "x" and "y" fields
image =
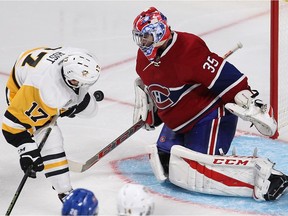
{"x": 226, "y": 175}
{"x": 270, "y": 184}
{"x": 211, "y": 174}
{"x": 278, "y": 186}
{"x": 155, "y": 163}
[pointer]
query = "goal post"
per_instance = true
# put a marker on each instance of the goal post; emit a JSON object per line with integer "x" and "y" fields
{"x": 279, "y": 65}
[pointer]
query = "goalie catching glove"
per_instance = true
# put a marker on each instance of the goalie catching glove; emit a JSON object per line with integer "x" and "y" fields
{"x": 248, "y": 108}
{"x": 144, "y": 107}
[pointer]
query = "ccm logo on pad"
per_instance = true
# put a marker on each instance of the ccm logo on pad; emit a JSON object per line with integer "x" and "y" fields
{"x": 230, "y": 161}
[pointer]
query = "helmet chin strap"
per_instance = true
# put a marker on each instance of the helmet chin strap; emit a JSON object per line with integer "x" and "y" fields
{"x": 75, "y": 89}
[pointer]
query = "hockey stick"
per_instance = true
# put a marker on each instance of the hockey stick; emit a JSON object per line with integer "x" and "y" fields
{"x": 26, "y": 175}
{"x": 78, "y": 167}
{"x": 230, "y": 52}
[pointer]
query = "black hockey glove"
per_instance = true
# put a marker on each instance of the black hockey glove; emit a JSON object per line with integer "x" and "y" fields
{"x": 77, "y": 108}
{"x": 70, "y": 113}
{"x": 30, "y": 158}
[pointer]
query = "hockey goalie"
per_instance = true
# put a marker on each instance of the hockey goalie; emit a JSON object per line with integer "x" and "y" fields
{"x": 199, "y": 96}
{"x": 219, "y": 174}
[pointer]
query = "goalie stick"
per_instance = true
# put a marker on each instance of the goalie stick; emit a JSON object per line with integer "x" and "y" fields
{"x": 82, "y": 167}
{"x": 79, "y": 167}
{"x": 230, "y": 52}
{"x": 26, "y": 175}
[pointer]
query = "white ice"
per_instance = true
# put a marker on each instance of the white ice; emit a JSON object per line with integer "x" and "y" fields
{"x": 104, "y": 27}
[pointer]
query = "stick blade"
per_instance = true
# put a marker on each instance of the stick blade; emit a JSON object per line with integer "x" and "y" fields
{"x": 75, "y": 166}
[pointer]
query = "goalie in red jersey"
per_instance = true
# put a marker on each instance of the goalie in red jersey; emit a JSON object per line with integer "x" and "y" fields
{"x": 198, "y": 95}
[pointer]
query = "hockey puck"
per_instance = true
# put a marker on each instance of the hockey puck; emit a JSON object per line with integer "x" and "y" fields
{"x": 99, "y": 95}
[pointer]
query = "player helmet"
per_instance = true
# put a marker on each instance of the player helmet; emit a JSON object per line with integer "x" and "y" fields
{"x": 134, "y": 199}
{"x": 80, "y": 202}
{"x": 80, "y": 69}
{"x": 150, "y": 31}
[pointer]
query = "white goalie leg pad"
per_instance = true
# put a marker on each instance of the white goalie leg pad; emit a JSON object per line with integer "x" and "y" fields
{"x": 211, "y": 174}
{"x": 262, "y": 173}
{"x": 155, "y": 163}
{"x": 246, "y": 109}
{"x": 270, "y": 184}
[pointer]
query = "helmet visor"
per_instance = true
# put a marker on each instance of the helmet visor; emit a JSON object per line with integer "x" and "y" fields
{"x": 143, "y": 40}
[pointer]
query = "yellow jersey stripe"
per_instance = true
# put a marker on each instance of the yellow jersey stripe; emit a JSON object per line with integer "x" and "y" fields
{"x": 56, "y": 164}
{"x": 11, "y": 129}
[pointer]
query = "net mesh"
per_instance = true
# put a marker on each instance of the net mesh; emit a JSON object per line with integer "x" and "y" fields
{"x": 283, "y": 68}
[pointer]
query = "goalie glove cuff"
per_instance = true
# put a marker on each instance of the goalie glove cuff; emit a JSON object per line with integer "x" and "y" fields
{"x": 27, "y": 147}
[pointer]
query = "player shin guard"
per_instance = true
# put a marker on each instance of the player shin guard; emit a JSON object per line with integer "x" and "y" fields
{"x": 155, "y": 163}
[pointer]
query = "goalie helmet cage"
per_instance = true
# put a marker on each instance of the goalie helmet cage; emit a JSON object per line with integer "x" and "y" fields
{"x": 279, "y": 65}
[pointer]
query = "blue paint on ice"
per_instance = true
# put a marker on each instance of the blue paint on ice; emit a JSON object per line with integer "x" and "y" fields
{"x": 137, "y": 169}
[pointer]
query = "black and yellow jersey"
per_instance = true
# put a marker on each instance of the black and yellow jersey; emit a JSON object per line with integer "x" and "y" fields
{"x": 36, "y": 91}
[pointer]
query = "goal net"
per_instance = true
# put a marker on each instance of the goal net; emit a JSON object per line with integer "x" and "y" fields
{"x": 279, "y": 65}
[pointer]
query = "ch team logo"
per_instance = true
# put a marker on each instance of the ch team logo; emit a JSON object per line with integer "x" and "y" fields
{"x": 165, "y": 97}
{"x": 160, "y": 96}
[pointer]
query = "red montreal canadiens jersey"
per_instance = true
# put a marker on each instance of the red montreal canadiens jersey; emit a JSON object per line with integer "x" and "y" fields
{"x": 190, "y": 82}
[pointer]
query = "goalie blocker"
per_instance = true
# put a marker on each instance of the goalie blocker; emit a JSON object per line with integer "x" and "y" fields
{"x": 144, "y": 108}
{"x": 221, "y": 175}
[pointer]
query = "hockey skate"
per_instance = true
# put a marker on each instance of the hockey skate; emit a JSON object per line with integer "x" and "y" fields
{"x": 277, "y": 188}
{"x": 63, "y": 196}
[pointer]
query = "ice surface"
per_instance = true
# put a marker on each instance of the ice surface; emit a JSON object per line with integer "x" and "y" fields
{"x": 104, "y": 27}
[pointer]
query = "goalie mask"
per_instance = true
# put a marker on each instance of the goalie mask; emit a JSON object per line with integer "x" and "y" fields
{"x": 80, "y": 202}
{"x": 150, "y": 31}
{"x": 134, "y": 200}
{"x": 80, "y": 70}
